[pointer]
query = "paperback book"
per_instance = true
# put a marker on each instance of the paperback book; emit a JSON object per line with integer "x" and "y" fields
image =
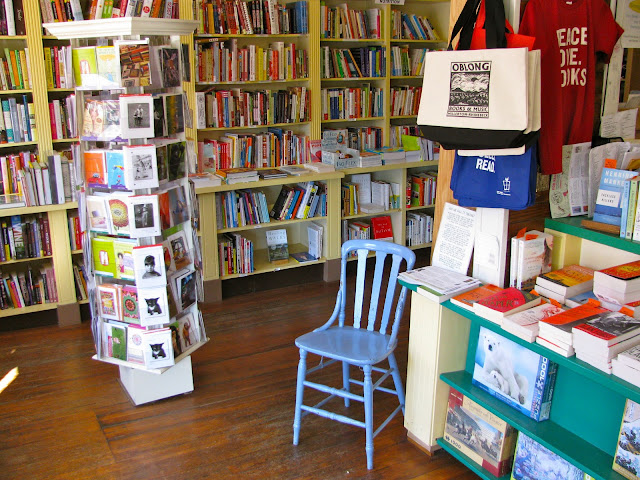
{"x": 525, "y": 324}
{"x": 514, "y": 374}
{"x": 568, "y": 281}
{"x": 467, "y": 299}
{"x": 505, "y": 302}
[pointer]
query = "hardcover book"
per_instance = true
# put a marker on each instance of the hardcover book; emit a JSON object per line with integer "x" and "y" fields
{"x": 482, "y": 436}
{"x": 533, "y": 461}
{"x": 626, "y": 460}
{"x": 514, "y": 374}
{"x": 382, "y": 228}
{"x": 505, "y": 302}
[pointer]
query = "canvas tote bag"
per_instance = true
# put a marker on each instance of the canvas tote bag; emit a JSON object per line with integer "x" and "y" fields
{"x": 480, "y": 99}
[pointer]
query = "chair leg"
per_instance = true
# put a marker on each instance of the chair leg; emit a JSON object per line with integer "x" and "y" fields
{"x": 368, "y": 415}
{"x": 397, "y": 380}
{"x": 345, "y": 381}
{"x": 302, "y": 371}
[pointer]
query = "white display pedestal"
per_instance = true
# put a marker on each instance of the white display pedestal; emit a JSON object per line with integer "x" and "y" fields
{"x": 145, "y": 386}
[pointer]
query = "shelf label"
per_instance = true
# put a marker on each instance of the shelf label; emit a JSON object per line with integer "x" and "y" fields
{"x": 390, "y": 2}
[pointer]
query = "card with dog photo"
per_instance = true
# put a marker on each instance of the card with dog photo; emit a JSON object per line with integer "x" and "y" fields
{"x": 179, "y": 249}
{"x": 514, "y": 374}
{"x": 136, "y": 116}
{"x": 144, "y": 216}
{"x": 140, "y": 166}
{"x": 153, "y": 306}
{"x": 148, "y": 264}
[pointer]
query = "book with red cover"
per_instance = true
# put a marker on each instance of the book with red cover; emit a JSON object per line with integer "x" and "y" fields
{"x": 467, "y": 299}
{"x": 625, "y": 277}
{"x": 559, "y": 326}
{"x": 382, "y": 228}
{"x": 505, "y": 302}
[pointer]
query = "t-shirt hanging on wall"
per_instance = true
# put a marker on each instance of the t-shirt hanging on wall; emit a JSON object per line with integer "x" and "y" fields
{"x": 568, "y": 35}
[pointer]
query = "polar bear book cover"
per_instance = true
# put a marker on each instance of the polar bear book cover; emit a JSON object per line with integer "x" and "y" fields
{"x": 514, "y": 374}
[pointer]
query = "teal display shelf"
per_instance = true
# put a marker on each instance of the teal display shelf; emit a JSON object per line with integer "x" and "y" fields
{"x": 583, "y": 369}
{"x": 568, "y": 445}
{"x": 572, "y": 226}
{"x": 470, "y": 464}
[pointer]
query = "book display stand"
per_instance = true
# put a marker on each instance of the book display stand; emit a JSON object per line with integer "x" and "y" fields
{"x": 140, "y": 246}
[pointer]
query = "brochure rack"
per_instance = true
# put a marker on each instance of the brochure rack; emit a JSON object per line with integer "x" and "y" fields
{"x": 137, "y": 207}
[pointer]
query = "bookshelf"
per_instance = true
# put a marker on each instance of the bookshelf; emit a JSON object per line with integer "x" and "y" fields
{"x": 316, "y": 43}
{"x": 138, "y": 247}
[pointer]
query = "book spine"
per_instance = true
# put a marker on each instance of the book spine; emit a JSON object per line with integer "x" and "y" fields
{"x": 11, "y": 21}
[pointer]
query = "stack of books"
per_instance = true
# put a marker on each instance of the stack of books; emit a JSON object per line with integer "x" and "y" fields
{"x": 525, "y": 324}
{"x": 627, "y": 365}
{"x": 530, "y": 257}
{"x": 370, "y": 159}
{"x": 555, "y": 332}
{"x": 619, "y": 284}
{"x": 603, "y": 336}
{"x": 238, "y": 175}
{"x": 505, "y": 302}
{"x": 565, "y": 282}
{"x": 468, "y": 299}
{"x": 390, "y": 155}
{"x": 439, "y": 284}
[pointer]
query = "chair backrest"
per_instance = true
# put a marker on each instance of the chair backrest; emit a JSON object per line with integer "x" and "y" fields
{"x": 384, "y": 275}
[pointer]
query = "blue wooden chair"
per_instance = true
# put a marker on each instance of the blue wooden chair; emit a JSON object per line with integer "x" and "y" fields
{"x": 357, "y": 345}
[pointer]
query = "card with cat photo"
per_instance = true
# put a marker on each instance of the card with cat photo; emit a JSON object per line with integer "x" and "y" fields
{"x": 179, "y": 249}
{"x": 158, "y": 349}
{"x": 136, "y": 116}
{"x": 189, "y": 331}
{"x": 178, "y": 206}
{"x": 148, "y": 263}
{"x": 144, "y": 216}
{"x": 153, "y": 306}
{"x": 141, "y": 167}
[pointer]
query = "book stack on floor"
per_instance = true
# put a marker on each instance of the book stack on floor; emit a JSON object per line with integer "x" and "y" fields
{"x": 505, "y": 302}
{"x": 603, "y": 336}
{"x": 627, "y": 365}
{"x": 525, "y": 324}
{"x": 514, "y": 374}
{"x": 619, "y": 284}
{"x": 479, "y": 434}
{"x": 555, "y": 332}
{"x": 530, "y": 257}
{"x": 439, "y": 284}
{"x": 565, "y": 282}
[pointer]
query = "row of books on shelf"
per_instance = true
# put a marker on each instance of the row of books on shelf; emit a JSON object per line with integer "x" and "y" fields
{"x": 348, "y": 23}
{"x": 498, "y": 448}
{"x": 132, "y": 116}
{"x": 151, "y": 348}
{"x": 246, "y": 108}
{"x": 33, "y": 286}
{"x": 62, "y": 116}
{"x": 362, "y": 194}
{"x": 15, "y": 73}
{"x": 358, "y": 138}
{"x": 405, "y": 100}
{"x": 412, "y": 27}
{"x": 356, "y": 62}
{"x": 421, "y": 188}
{"x": 407, "y": 61}
{"x": 12, "y": 20}
{"x": 235, "y": 254}
{"x": 220, "y": 60}
{"x": 17, "y": 122}
{"x": 351, "y": 103}
{"x": 72, "y": 10}
{"x": 303, "y": 200}
{"x": 37, "y": 182}
{"x": 58, "y": 66}
{"x": 25, "y": 236}
{"x": 252, "y": 17}
{"x": 76, "y": 234}
{"x": 419, "y": 229}
{"x": 126, "y": 63}
{"x": 274, "y": 148}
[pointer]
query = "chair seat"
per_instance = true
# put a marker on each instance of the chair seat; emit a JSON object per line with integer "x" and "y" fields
{"x": 357, "y": 346}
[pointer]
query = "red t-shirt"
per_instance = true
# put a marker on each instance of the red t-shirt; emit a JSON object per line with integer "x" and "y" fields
{"x": 568, "y": 35}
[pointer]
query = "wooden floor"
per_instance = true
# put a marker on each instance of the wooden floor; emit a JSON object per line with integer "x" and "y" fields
{"x": 67, "y": 417}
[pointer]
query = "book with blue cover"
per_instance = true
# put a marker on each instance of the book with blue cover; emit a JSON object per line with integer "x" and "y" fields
{"x": 514, "y": 374}
{"x": 610, "y": 193}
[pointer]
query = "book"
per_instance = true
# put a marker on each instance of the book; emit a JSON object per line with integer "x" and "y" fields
{"x": 382, "y": 228}
{"x": 627, "y": 456}
{"x": 626, "y": 372}
{"x": 479, "y": 434}
{"x": 624, "y": 278}
{"x": 525, "y": 324}
{"x": 505, "y": 302}
{"x": 608, "y": 208}
{"x": 467, "y": 299}
{"x": 559, "y": 326}
{"x": 514, "y": 374}
{"x": 277, "y": 246}
{"x": 606, "y": 329}
{"x": 534, "y": 258}
{"x": 630, "y": 357}
{"x": 302, "y": 257}
{"x": 567, "y": 281}
{"x": 531, "y": 459}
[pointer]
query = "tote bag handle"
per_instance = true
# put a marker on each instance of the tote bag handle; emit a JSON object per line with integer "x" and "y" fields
{"x": 494, "y": 23}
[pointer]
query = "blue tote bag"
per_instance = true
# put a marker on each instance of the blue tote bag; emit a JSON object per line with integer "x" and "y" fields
{"x": 495, "y": 181}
